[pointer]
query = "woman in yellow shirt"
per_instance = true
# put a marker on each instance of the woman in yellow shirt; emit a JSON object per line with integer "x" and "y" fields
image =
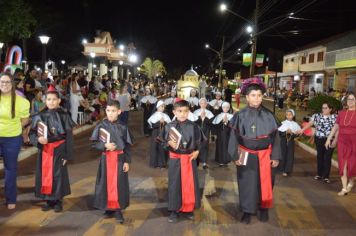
{"x": 14, "y": 114}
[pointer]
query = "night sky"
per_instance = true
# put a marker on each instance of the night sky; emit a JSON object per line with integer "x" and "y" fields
{"x": 176, "y": 31}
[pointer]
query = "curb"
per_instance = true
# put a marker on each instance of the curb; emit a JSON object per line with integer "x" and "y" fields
{"x": 313, "y": 152}
{"x": 33, "y": 150}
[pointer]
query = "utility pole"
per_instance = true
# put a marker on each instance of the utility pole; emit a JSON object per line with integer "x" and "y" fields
{"x": 221, "y": 57}
{"x": 254, "y": 40}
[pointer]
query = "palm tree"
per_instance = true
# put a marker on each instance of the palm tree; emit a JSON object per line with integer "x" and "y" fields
{"x": 152, "y": 68}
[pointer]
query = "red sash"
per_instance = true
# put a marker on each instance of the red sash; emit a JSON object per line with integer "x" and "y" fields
{"x": 186, "y": 172}
{"x": 47, "y": 166}
{"x": 265, "y": 175}
{"x": 112, "y": 162}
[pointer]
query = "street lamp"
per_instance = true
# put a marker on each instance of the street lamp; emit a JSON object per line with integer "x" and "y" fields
{"x": 63, "y": 62}
{"x": 1, "y": 46}
{"x": 84, "y": 41}
{"x": 121, "y": 47}
{"x": 221, "y": 58}
{"x": 249, "y": 29}
{"x": 223, "y": 7}
{"x": 207, "y": 46}
{"x": 133, "y": 58}
{"x": 44, "y": 40}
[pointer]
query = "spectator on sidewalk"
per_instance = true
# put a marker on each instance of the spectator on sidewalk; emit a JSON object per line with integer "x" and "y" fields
{"x": 344, "y": 131}
{"x": 323, "y": 123}
{"x": 14, "y": 116}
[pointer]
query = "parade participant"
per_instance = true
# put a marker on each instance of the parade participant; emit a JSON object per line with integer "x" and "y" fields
{"x": 148, "y": 103}
{"x": 323, "y": 123}
{"x": 344, "y": 131}
{"x": 204, "y": 121}
{"x": 14, "y": 113}
{"x": 254, "y": 145}
{"x": 237, "y": 96}
{"x": 113, "y": 139}
{"x": 193, "y": 100}
{"x": 169, "y": 104}
{"x": 158, "y": 156}
{"x": 52, "y": 134}
{"x": 215, "y": 104}
{"x": 221, "y": 123}
{"x": 183, "y": 184}
{"x": 287, "y": 132}
{"x": 125, "y": 101}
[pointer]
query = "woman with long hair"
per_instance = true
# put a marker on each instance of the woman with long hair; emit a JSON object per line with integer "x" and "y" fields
{"x": 14, "y": 114}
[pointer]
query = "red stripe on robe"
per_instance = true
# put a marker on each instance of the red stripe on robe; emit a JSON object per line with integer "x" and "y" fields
{"x": 186, "y": 172}
{"x": 112, "y": 163}
{"x": 47, "y": 166}
{"x": 264, "y": 157}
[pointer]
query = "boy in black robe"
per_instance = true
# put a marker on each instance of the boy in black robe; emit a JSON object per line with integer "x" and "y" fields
{"x": 183, "y": 184}
{"x": 205, "y": 118}
{"x": 112, "y": 183}
{"x": 55, "y": 148}
{"x": 148, "y": 103}
{"x": 255, "y": 138}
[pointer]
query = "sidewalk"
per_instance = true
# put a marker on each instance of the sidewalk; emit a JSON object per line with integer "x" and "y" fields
{"x": 24, "y": 154}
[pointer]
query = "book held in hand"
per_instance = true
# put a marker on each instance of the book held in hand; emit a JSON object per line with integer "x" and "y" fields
{"x": 104, "y": 135}
{"x": 42, "y": 130}
{"x": 175, "y": 136}
{"x": 243, "y": 157}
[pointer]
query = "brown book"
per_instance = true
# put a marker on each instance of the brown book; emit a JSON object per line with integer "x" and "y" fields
{"x": 104, "y": 135}
{"x": 42, "y": 130}
{"x": 175, "y": 136}
{"x": 243, "y": 157}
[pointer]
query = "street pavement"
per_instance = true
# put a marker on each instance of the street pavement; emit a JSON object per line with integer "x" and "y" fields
{"x": 302, "y": 205}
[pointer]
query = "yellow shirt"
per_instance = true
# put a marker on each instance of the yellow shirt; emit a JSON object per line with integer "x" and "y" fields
{"x": 12, "y": 127}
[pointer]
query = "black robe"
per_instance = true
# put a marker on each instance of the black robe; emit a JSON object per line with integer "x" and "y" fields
{"x": 158, "y": 155}
{"x": 264, "y": 134}
{"x": 205, "y": 126}
{"x": 60, "y": 127}
{"x": 222, "y": 141}
{"x": 287, "y": 150}
{"x": 120, "y": 135}
{"x": 147, "y": 112}
{"x": 191, "y": 141}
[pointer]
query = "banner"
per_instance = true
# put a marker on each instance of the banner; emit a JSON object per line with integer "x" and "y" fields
{"x": 259, "y": 60}
{"x": 247, "y": 59}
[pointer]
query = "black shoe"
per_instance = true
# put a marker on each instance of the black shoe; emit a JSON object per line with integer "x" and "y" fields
{"x": 109, "y": 214}
{"x": 221, "y": 165}
{"x": 205, "y": 166}
{"x": 120, "y": 217}
{"x": 189, "y": 215}
{"x": 263, "y": 215}
{"x": 58, "y": 206}
{"x": 246, "y": 218}
{"x": 317, "y": 177}
{"x": 48, "y": 206}
{"x": 173, "y": 217}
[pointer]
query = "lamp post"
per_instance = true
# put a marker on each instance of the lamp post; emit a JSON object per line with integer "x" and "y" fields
{"x": 1, "y": 46}
{"x": 221, "y": 58}
{"x": 133, "y": 60}
{"x": 44, "y": 40}
{"x": 91, "y": 70}
{"x": 251, "y": 30}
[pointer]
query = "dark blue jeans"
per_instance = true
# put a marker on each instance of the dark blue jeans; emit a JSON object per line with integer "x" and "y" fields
{"x": 10, "y": 148}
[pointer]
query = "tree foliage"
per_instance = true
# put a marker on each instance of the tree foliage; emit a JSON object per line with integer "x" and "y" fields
{"x": 316, "y": 103}
{"x": 151, "y": 68}
{"x": 17, "y": 20}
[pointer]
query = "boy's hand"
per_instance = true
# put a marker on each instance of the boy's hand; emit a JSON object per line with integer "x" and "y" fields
{"x": 42, "y": 140}
{"x": 126, "y": 167}
{"x": 194, "y": 155}
{"x": 110, "y": 146}
{"x": 274, "y": 163}
{"x": 238, "y": 162}
{"x": 172, "y": 144}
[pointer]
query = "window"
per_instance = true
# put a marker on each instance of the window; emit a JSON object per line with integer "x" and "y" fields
{"x": 286, "y": 61}
{"x": 311, "y": 58}
{"x": 304, "y": 59}
{"x": 320, "y": 56}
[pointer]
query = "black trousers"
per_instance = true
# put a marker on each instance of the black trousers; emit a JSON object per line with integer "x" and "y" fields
{"x": 323, "y": 157}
